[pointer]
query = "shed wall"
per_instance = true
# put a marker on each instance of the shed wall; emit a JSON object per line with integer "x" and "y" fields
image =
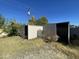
{"x": 49, "y": 31}
{"x": 34, "y": 31}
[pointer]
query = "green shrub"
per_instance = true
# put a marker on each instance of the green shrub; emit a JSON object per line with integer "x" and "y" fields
{"x": 74, "y": 37}
{"x": 14, "y": 27}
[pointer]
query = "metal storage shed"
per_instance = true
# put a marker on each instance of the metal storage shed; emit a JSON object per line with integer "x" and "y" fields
{"x": 56, "y": 31}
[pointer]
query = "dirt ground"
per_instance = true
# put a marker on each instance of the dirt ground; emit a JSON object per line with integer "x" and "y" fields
{"x": 17, "y": 48}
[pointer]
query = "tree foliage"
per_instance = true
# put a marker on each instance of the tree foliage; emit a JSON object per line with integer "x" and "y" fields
{"x": 11, "y": 27}
{"x": 32, "y": 21}
{"x": 14, "y": 27}
{"x": 2, "y": 21}
{"x": 41, "y": 21}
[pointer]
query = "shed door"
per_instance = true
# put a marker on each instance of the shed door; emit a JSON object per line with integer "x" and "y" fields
{"x": 62, "y": 32}
{"x": 26, "y": 32}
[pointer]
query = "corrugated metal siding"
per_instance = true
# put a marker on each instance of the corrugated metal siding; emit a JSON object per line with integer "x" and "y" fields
{"x": 50, "y": 31}
{"x": 22, "y": 31}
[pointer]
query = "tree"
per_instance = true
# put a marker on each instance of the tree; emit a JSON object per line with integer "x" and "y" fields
{"x": 32, "y": 21}
{"x": 14, "y": 27}
{"x": 2, "y": 21}
{"x": 6, "y": 26}
{"x": 42, "y": 21}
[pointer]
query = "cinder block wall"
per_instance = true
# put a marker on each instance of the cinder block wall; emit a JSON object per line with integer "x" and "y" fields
{"x": 34, "y": 31}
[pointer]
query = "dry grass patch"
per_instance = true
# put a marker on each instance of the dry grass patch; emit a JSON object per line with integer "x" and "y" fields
{"x": 68, "y": 50}
{"x": 14, "y": 45}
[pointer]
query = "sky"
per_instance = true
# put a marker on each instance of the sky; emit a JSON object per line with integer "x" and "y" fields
{"x": 54, "y": 10}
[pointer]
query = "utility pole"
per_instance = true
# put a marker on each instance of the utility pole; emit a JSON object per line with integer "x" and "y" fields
{"x": 28, "y": 12}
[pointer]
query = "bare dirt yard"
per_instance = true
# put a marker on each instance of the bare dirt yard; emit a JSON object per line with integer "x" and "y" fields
{"x": 17, "y": 48}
